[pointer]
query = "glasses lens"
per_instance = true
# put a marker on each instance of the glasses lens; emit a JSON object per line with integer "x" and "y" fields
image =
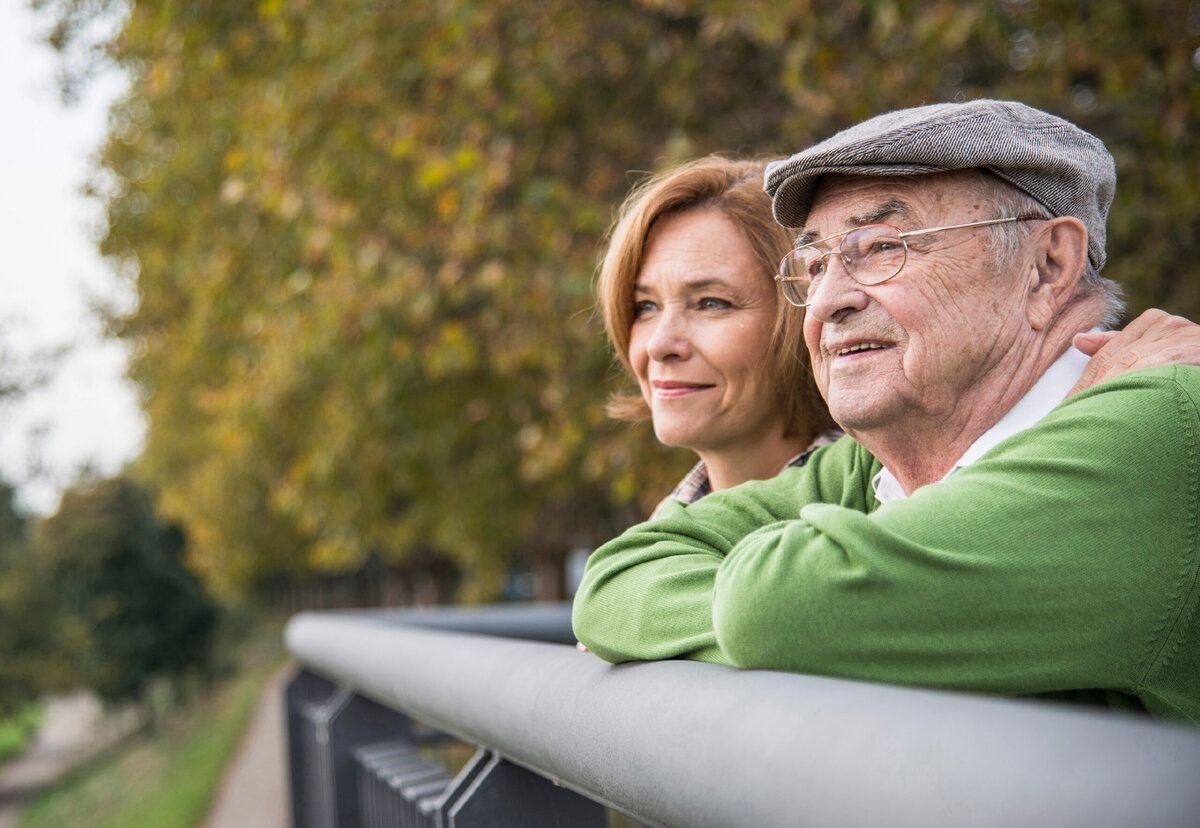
{"x": 796, "y": 275}
{"x": 795, "y": 292}
{"x": 874, "y": 254}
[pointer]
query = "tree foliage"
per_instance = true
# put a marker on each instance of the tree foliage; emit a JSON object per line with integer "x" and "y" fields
{"x": 125, "y": 610}
{"x": 96, "y": 596}
{"x": 363, "y": 233}
{"x": 27, "y": 664}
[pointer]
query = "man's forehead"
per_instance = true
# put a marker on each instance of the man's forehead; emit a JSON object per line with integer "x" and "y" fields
{"x": 843, "y": 202}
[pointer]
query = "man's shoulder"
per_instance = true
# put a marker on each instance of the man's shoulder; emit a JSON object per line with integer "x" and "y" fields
{"x": 1166, "y": 386}
{"x": 1132, "y": 416}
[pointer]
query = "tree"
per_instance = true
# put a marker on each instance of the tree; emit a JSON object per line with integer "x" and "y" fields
{"x": 363, "y": 233}
{"x": 126, "y": 609}
{"x": 30, "y": 665}
{"x": 12, "y": 524}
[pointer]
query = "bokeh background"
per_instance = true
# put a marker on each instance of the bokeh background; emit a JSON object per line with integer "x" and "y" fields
{"x": 357, "y": 240}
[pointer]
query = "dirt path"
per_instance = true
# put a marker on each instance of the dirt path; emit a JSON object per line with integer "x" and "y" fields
{"x": 73, "y": 728}
{"x": 254, "y": 789}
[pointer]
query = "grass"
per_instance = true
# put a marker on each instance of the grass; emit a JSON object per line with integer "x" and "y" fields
{"x": 16, "y": 730}
{"x": 166, "y": 779}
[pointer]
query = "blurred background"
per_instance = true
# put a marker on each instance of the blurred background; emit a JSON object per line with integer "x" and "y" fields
{"x": 308, "y": 320}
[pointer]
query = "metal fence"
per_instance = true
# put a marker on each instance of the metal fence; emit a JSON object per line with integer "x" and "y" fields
{"x": 563, "y": 737}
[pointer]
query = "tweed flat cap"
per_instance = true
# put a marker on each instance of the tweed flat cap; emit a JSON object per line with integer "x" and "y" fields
{"x": 1066, "y": 169}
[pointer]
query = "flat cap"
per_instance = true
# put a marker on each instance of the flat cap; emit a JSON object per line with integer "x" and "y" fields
{"x": 1066, "y": 169}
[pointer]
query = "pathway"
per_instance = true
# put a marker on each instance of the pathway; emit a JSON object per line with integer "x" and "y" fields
{"x": 254, "y": 790}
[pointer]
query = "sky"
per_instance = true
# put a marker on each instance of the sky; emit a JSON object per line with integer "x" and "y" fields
{"x": 86, "y": 416}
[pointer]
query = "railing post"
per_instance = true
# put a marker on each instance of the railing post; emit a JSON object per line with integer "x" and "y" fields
{"x": 325, "y": 726}
{"x": 353, "y": 721}
{"x": 305, "y": 690}
{"x": 502, "y": 794}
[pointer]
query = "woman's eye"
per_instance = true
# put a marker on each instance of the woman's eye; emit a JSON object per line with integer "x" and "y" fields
{"x": 643, "y": 307}
{"x": 712, "y": 303}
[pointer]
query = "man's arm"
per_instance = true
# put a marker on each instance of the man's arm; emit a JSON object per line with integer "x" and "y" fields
{"x": 1066, "y": 558}
{"x": 647, "y": 595}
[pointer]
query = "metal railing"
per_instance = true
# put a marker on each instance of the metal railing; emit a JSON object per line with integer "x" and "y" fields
{"x": 562, "y": 735}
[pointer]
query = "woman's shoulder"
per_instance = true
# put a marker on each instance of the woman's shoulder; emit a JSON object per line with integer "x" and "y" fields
{"x": 825, "y": 438}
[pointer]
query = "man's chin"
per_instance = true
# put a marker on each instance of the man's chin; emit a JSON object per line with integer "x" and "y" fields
{"x": 855, "y": 415}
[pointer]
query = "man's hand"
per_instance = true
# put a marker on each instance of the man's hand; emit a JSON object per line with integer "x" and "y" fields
{"x": 1154, "y": 338}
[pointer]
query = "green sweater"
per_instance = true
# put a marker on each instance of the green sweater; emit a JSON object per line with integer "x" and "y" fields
{"x": 1065, "y": 559}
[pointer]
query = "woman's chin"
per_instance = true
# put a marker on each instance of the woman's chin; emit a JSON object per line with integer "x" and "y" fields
{"x": 677, "y": 437}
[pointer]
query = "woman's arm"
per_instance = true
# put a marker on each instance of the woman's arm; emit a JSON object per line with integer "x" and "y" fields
{"x": 1155, "y": 338}
{"x": 647, "y": 594}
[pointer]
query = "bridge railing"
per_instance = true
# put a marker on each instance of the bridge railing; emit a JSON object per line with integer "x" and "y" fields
{"x": 563, "y": 736}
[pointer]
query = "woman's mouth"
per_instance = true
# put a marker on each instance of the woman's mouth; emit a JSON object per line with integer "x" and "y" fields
{"x": 675, "y": 389}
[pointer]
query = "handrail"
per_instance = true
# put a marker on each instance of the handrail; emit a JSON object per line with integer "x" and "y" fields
{"x": 683, "y": 743}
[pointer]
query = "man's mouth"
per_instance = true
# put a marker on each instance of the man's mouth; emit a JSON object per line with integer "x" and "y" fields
{"x": 847, "y": 348}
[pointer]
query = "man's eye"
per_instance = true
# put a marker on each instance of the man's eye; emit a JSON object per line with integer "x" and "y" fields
{"x": 712, "y": 303}
{"x": 816, "y": 268}
{"x": 643, "y": 307}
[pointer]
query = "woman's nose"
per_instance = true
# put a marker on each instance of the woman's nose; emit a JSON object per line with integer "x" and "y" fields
{"x": 671, "y": 338}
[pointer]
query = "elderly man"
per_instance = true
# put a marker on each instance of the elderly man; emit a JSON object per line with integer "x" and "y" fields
{"x": 982, "y": 530}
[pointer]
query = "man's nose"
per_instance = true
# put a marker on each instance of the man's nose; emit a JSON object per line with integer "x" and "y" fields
{"x": 836, "y": 294}
{"x": 671, "y": 337}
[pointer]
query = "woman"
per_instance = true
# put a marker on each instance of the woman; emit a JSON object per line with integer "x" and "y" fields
{"x": 692, "y": 309}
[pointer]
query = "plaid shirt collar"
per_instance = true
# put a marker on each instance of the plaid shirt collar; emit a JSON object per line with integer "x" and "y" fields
{"x": 695, "y": 484}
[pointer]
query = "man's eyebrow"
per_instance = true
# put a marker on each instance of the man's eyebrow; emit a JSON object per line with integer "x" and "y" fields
{"x": 888, "y": 208}
{"x": 891, "y": 207}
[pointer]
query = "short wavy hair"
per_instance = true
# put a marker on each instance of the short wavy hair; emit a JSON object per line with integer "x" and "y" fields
{"x": 733, "y": 188}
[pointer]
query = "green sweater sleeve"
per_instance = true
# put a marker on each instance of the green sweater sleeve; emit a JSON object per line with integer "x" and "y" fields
{"x": 648, "y": 594}
{"x": 1064, "y": 559}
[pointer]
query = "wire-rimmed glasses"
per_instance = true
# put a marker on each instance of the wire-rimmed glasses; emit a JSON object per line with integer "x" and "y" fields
{"x": 871, "y": 254}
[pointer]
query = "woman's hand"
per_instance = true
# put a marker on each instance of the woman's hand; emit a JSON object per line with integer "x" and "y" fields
{"x": 1154, "y": 338}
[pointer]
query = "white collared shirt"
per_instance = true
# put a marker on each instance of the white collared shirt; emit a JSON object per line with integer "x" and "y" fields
{"x": 1041, "y": 399}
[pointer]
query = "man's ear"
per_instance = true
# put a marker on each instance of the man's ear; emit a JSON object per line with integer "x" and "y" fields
{"x": 1060, "y": 257}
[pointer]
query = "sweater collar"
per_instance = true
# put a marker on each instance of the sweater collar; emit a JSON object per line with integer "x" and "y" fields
{"x": 1045, "y": 395}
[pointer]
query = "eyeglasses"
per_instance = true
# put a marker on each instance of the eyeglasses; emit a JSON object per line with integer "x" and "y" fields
{"x": 871, "y": 254}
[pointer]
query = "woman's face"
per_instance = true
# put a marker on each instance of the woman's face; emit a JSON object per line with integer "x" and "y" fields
{"x": 700, "y": 342}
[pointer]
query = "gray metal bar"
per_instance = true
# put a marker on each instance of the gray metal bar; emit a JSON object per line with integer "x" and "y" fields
{"x": 411, "y": 787}
{"x": 682, "y": 743}
{"x": 376, "y": 764}
{"x": 549, "y": 621}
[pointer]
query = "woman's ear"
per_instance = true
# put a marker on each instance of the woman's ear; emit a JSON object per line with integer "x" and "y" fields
{"x": 1059, "y": 261}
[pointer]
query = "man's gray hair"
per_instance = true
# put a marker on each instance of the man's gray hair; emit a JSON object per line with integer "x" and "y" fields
{"x": 1007, "y": 240}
